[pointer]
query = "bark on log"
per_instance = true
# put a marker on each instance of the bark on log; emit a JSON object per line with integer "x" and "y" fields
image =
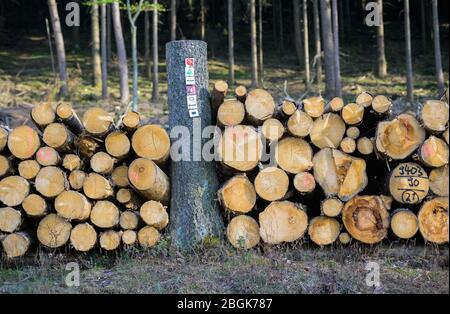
{"x": 434, "y": 115}
{"x": 10, "y": 219}
{"x": 35, "y": 206}
{"x": 23, "y": 142}
{"x": 98, "y": 122}
{"x": 53, "y": 231}
{"x": 446, "y": 136}
{"x": 241, "y": 93}
{"x": 76, "y": 179}
{"x": 434, "y": 152}
{"x": 152, "y": 142}
{"x": 300, "y": 124}
{"x": 237, "y": 195}
{"x": 404, "y": 223}
{"x": 288, "y": 108}
{"x": 83, "y": 237}
{"x": 17, "y": 244}
{"x": 439, "y": 181}
{"x": 117, "y": 145}
{"x": 433, "y": 220}
{"x": 243, "y": 232}
{"x": 48, "y": 156}
{"x": 293, "y": 155}
{"x": 57, "y": 136}
{"x": 408, "y": 183}
{"x": 28, "y": 169}
{"x": 218, "y": 94}
{"x": 13, "y": 190}
{"x": 105, "y": 215}
{"x": 43, "y": 114}
{"x": 110, "y": 240}
{"x": 128, "y": 199}
{"x": 131, "y": 121}
{"x": 230, "y": 113}
{"x": 327, "y": 131}
{"x": 154, "y": 214}
{"x": 148, "y": 236}
{"x": 324, "y": 230}
{"x": 69, "y": 117}
{"x": 259, "y": 105}
{"x": 87, "y": 146}
{"x": 97, "y": 187}
{"x": 73, "y": 205}
{"x": 51, "y": 181}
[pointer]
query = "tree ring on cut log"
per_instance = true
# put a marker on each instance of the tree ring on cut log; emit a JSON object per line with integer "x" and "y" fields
{"x": 353, "y": 113}
{"x": 152, "y": 142}
{"x": 53, "y": 231}
{"x": 243, "y": 232}
{"x": 83, "y": 237}
{"x": 366, "y": 218}
{"x": 314, "y": 106}
{"x": 148, "y": 236}
{"x": 434, "y": 152}
{"x": 51, "y": 181}
{"x": 16, "y": 244}
{"x": 10, "y": 219}
{"x": 117, "y": 144}
{"x": 323, "y": 230}
{"x": 96, "y": 187}
{"x": 13, "y": 190}
{"x": 23, "y": 142}
{"x": 271, "y": 184}
{"x": 56, "y": 135}
{"x": 259, "y": 105}
{"x": 110, "y": 240}
{"x": 433, "y": 220}
{"x": 439, "y": 181}
{"x": 272, "y": 129}
{"x": 105, "y": 214}
{"x": 237, "y": 194}
{"x": 293, "y": 155}
{"x": 154, "y": 214}
{"x": 97, "y": 121}
{"x": 327, "y": 131}
{"x": 300, "y": 124}
{"x": 282, "y": 221}
{"x": 73, "y": 205}
{"x": 404, "y": 223}
{"x": 304, "y": 182}
{"x": 43, "y": 114}
{"x": 435, "y": 115}
{"x": 408, "y": 183}
{"x": 230, "y": 113}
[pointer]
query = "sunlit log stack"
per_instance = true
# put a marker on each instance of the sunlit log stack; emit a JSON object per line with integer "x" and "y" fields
{"x": 331, "y": 171}
{"x": 82, "y": 183}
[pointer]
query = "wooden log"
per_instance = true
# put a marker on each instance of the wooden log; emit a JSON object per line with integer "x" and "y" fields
{"x": 433, "y": 220}
{"x": 339, "y": 174}
{"x": 3, "y": 138}
{"x": 58, "y": 136}
{"x": 43, "y": 114}
{"x": 10, "y": 219}
{"x": 73, "y": 205}
{"x": 154, "y": 214}
{"x": 117, "y": 145}
{"x": 230, "y": 113}
{"x": 364, "y": 99}
{"x": 259, "y": 105}
{"x": 324, "y": 230}
{"x": 241, "y": 93}
{"x": 299, "y": 124}
{"x": 364, "y": 146}
{"x": 434, "y": 115}
{"x": 151, "y": 141}
{"x": 119, "y": 176}
{"x": 243, "y": 232}
{"x": 72, "y": 162}
{"x": 408, "y": 183}
{"x": 129, "y": 237}
{"x": 434, "y": 152}
{"x": 17, "y": 244}
{"x": 293, "y": 155}
{"x": 110, "y": 240}
{"x": 237, "y": 195}
{"x": 327, "y": 131}
{"x": 272, "y": 130}
{"x": 366, "y": 218}
{"x": 35, "y": 206}
{"x": 381, "y": 104}
{"x": 53, "y": 231}
{"x": 98, "y": 122}
{"x": 446, "y": 136}
{"x": 13, "y": 190}
{"x": 335, "y": 105}
{"x": 240, "y": 148}
{"x": 69, "y": 117}
{"x": 128, "y": 198}
{"x": 129, "y": 220}
{"x": 439, "y": 181}
{"x": 149, "y": 180}
{"x": 353, "y": 132}
{"x": 28, "y": 169}
{"x": 130, "y": 121}
{"x": 148, "y": 236}
{"x": 314, "y": 106}
{"x": 105, "y": 214}
{"x": 218, "y": 94}
{"x": 331, "y": 207}
{"x": 23, "y": 142}
{"x": 97, "y": 187}
{"x": 288, "y": 108}
{"x": 304, "y": 183}
{"x": 5, "y": 166}
{"x": 345, "y": 238}
{"x": 48, "y": 156}
{"x": 445, "y": 96}
{"x": 282, "y": 221}
{"x": 271, "y": 184}
{"x": 404, "y": 223}
{"x": 76, "y": 179}
{"x": 87, "y": 146}
{"x": 348, "y": 145}
{"x": 102, "y": 163}
{"x": 83, "y": 237}
{"x": 352, "y": 113}
{"x": 51, "y": 181}
{"x": 400, "y": 137}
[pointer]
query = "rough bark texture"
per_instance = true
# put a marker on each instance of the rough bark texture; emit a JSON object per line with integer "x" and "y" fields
{"x": 230, "y": 42}
{"x": 317, "y": 44}
{"x": 382, "y": 65}
{"x": 253, "y": 39}
{"x": 337, "y": 66}
{"x": 327, "y": 39}
{"x": 437, "y": 48}
{"x": 196, "y": 218}
{"x": 95, "y": 33}
{"x": 173, "y": 20}
{"x": 121, "y": 54}
{"x": 155, "y": 85}
{"x": 409, "y": 70}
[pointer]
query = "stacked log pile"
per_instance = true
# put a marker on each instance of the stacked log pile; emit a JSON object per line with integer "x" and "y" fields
{"x": 331, "y": 171}
{"x": 82, "y": 183}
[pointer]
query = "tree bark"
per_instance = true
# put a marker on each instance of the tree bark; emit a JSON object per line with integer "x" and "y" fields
{"x": 202, "y": 19}
{"x": 327, "y": 39}
{"x": 306, "y": 42}
{"x": 260, "y": 43}
{"x": 104, "y": 51}
{"x": 231, "y": 76}
{"x": 317, "y": 44}
{"x": 382, "y": 65}
{"x": 76, "y": 36}
{"x": 148, "y": 65}
{"x": 95, "y": 34}
{"x": 280, "y": 28}
{"x": 173, "y": 20}
{"x": 254, "y": 48}
{"x": 437, "y": 48}
{"x": 423, "y": 25}
{"x": 108, "y": 33}
{"x": 155, "y": 85}
{"x": 298, "y": 32}
{"x": 409, "y": 69}
{"x": 59, "y": 42}
{"x": 337, "y": 65}
{"x": 121, "y": 54}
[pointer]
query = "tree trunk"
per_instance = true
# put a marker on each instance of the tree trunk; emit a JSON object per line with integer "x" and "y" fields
{"x": 83, "y": 237}
{"x": 121, "y": 54}
{"x": 254, "y": 48}
{"x": 53, "y": 231}
{"x": 382, "y": 65}
{"x": 231, "y": 77}
{"x": 323, "y": 230}
{"x": 433, "y": 220}
{"x": 306, "y": 42}
{"x": 327, "y": 39}
{"x": 317, "y": 44}
{"x": 76, "y": 36}
{"x": 348, "y": 18}
{"x": 337, "y": 66}
{"x": 423, "y": 25}
{"x": 95, "y": 34}
{"x": 260, "y": 43}
{"x": 104, "y": 51}
{"x": 202, "y": 19}
{"x": 108, "y": 33}
{"x": 59, "y": 42}
{"x": 148, "y": 63}
{"x": 341, "y": 19}
{"x": 409, "y": 69}
{"x": 298, "y": 32}
{"x": 155, "y": 85}
{"x": 437, "y": 48}
{"x": 173, "y": 20}
{"x": 243, "y": 232}
{"x": 280, "y": 28}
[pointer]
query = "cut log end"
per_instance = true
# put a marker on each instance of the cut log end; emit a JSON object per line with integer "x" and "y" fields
{"x": 293, "y": 155}
{"x": 300, "y": 124}
{"x": 404, "y": 223}
{"x": 353, "y": 132}
{"x": 336, "y": 104}
{"x": 16, "y": 244}
{"x": 53, "y": 231}
{"x": 10, "y": 219}
{"x": 304, "y": 182}
{"x": 48, "y": 156}
{"x": 271, "y": 184}
{"x": 131, "y": 120}
{"x": 408, "y": 183}
{"x": 3, "y": 138}
{"x": 35, "y": 205}
{"x": 381, "y": 104}
{"x": 51, "y": 181}
{"x": 96, "y": 187}
{"x": 148, "y": 236}
{"x": 110, "y": 240}
{"x": 76, "y": 179}
{"x": 117, "y": 144}
{"x": 154, "y": 214}
{"x": 102, "y": 163}
{"x": 364, "y": 99}
{"x": 331, "y": 207}
{"x": 272, "y": 130}
{"x": 28, "y": 169}
{"x": 119, "y": 176}
{"x": 71, "y": 162}
{"x": 238, "y": 194}
{"x": 105, "y": 214}
{"x": 439, "y": 181}
{"x": 348, "y": 145}
{"x": 433, "y": 220}
{"x": 288, "y": 108}
{"x": 128, "y": 220}
{"x": 13, "y": 190}
{"x": 98, "y": 122}
{"x": 327, "y": 131}
{"x": 73, "y": 205}
{"x": 43, "y": 114}
{"x": 5, "y": 166}
{"x": 365, "y": 146}
{"x": 241, "y": 93}
{"x": 345, "y": 238}
{"x": 435, "y": 115}
{"x": 243, "y": 232}
{"x": 323, "y": 230}
{"x": 152, "y": 142}
{"x": 259, "y": 105}
{"x": 353, "y": 113}
{"x": 230, "y": 113}
{"x": 434, "y": 152}
{"x": 57, "y": 136}
{"x": 83, "y": 237}
{"x": 23, "y": 142}
{"x": 314, "y": 106}
{"x": 129, "y": 237}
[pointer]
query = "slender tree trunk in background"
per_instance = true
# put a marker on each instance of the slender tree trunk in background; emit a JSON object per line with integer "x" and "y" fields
{"x": 382, "y": 64}
{"x": 298, "y": 32}
{"x": 437, "y": 48}
{"x": 348, "y": 19}
{"x": 306, "y": 42}
{"x": 254, "y": 43}
{"x": 230, "y": 42}
{"x": 328, "y": 46}
{"x": 423, "y": 25}
{"x": 173, "y": 20}
{"x": 59, "y": 43}
{"x": 274, "y": 18}
{"x": 317, "y": 44}
{"x": 409, "y": 69}
{"x": 341, "y": 19}
{"x": 121, "y": 54}
{"x": 280, "y": 27}
{"x": 148, "y": 64}
{"x": 337, "y": 65}
{"x": 104, "y": 52}
{"x": 76, "y": 36}
{"x": 95, "y": 34}
{"x": 155, "y": 88}
{"x": 134, "y": 61}
{"x": 202, "y": 19}
{"x": 108, "y": 33}
{"x": 260, "y": 45}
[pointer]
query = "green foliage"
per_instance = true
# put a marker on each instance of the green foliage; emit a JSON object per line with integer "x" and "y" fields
{"x": 146, "y": 5}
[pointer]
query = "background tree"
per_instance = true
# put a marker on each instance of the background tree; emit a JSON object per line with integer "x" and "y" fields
{"x": 298, "y": 32}
{"x": 306, "y": 42}
{"x": 317, "y": 44}
{"x": 409, "y": 69}
{"x": 423, "y": 25}
{"x": 280, "y": 27}
{"x": 104, "y": 51}
{"x": 230, "y": 42}
{"x": 337, "y": 65}
{"x": 147, "y": 59}
{"x": 155, "y": 85}
{"x": 253, "y": 41}
{"x": 382, "y": 64}
{"x": 95, "y": 45}
{"x": 59, "y": 43}
{"x": 437, "y": 48}
{"x": 260, "y": 41}
{"x": 76, "y": 35}
{"x": 202, "y": 19}
{"x": 328, "y": 46}
{"x": 108, "y": 33}
{"x": 173, "y": 20}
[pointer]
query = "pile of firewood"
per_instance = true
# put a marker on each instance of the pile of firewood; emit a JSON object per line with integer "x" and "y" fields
{"x": 86, "y": 181}
{"x": 336, "y": 171}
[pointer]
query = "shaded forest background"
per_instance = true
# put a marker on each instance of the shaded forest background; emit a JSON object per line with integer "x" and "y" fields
{"x": 26, "y": 74}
